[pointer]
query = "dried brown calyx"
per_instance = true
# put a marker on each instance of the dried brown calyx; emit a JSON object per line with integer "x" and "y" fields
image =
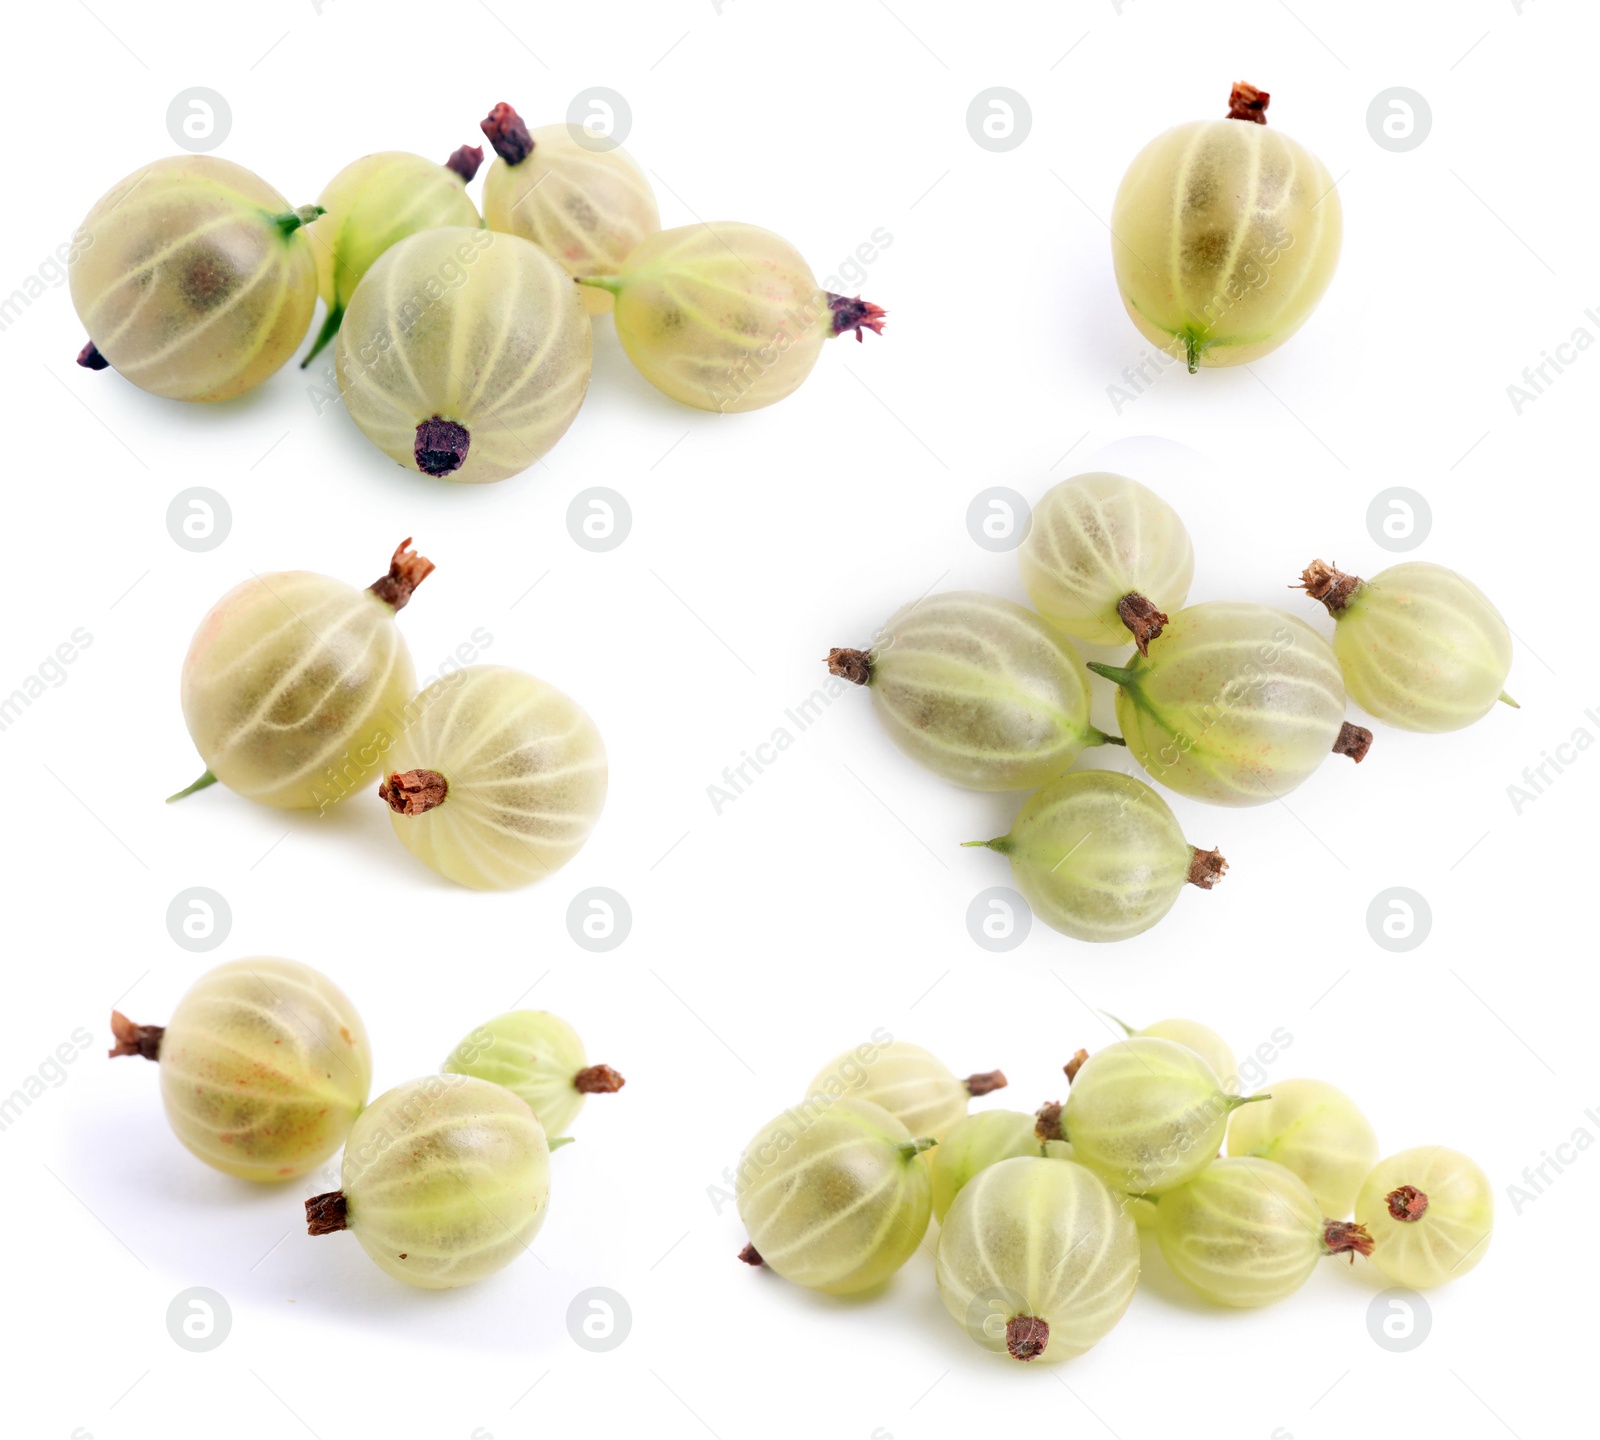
{"x": 1407, "y": 1203}
{"x": 326, "y": 1214}
{"x": 414, "y": 792}
{"x": 1354, "y": 741}
{"x": 1026, "y": 1336}
{"x": 1325, "y": 582}
{"x": 1071, "y": 1068}
{"x": 598, "y": 1080}
{"x": 465, "y": 161}
{"x": 1047, "y": 1121}
{"x": 1248, "y": 103}
{"x": 407, "y": 570}
{"x": 1143, "y": 620}
{"x": 134, "y": 1039}
{"x": 1207, "y": 868}
{"x": 441, "y": 446}
{"x": 1345, "y": 1237}
{"x": 751, "y": 1256}
{"x": 506, "y": 132}
{"x": 986, "y": 1083}
{"x": 854, "y": 313}
{"x": 90, "y": 358}
{"x": 852, "y": 665}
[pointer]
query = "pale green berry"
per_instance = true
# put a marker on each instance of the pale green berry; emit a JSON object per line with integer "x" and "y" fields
{"x": 1316, "y": 1131}
{"x": 1204, "y": 1041}
{"x": 917, "y": 1088}
{"x": 1430, "y": 1211}
{"x": 538, "y": 1056}
{"x": 978, "y": 1142}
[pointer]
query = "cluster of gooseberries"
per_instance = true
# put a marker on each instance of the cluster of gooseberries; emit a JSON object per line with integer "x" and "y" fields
{"x": 1230, "y": 702}
{"x": 462, "y": 343}
{"x": 298, "y": 690}
{"x": 1038, "y": 1250}
{"x": 265, "y": 1069}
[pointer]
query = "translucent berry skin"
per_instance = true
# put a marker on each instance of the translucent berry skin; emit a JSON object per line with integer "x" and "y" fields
{"x": 264, "y": 1067}
{"x": 535, "y": 1055}
{"x": 1450, "y": 1236}
{"x": 1041, "y": 1238}
{"x": 723, "y": 317}
{"x": 1098, "y": 855}
{"x": 917, "y": 1088}
{"x": 834, "y": 1196}
{"x": 1236, "y": 704}
{"x": 189, "y": 285}
{"x": 446, "y": 1180}
{"x": 981, "y": 691}
{"x": 976, "y": 1143}
{"x": 1093, "y": 541}
{"x": 1422, "y": 648}
{"x": 1204, "y": 1041}
{"x": 1146, "y": 1115}
{"x": 1317, "y": 1132}
{"x": 526, "y": 771}
{"x": 1225, "y": 235}
{"x": 295, "y": 686}
{"x": 1243, "y": 1232}
{"x": 475, "y": 328}
{"x": 585, "y": 206}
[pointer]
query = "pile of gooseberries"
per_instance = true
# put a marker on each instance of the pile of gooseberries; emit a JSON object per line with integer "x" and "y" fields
{"x": 445, "y": 1179}
{"x": 1042, "y": 1217}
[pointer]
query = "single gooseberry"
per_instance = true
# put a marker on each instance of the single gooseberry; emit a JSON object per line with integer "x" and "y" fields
{"x": 1204, "y": 1041}
{"x": 373, "y": 203}
{"x": 1224, "y": 235}
{"x": 580, "y": 198}
{"x": 538, "y": 1056}
{"x": 295, "y": 684}
{"x": 464, "y": 353}
{"x": 1105, "y": 559}
{"x": 1420, "y": 646}
{"x": 833, "y": 1195}
{"x": 195, "y": 279}
{"x": 1236, "y": 704}
{"x": 1315, "y": 1130}
{"x": 1037, "y": 1259}
{"x": 1430, "y": 1211}
{"x": 1099, "y": 856}
{"x": 978, "y": 1142}
{"x": 444, "y": 1181}
{"x": 726, "y": 316}
{"x": 498, "y": 779}
{"x": 917, "y": 1088}
{"x": 977, "y": 689}
{"x": 265, "y": 1066}
{"x": 1247, "y": 1232}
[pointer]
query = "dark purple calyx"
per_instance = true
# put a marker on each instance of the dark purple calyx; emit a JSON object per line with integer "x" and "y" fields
{"x": 327, "y": 1214}
{"x": 441, "y": 446}
{"x": 506, "y": 132}
{"x": 854, "y": 313}
{"x": 1026, "y": 1336}
{"x": 852, "y": 665}
{"x": 407, "y": 570}
{"x": 1407, "y": 1203}
{"x": 415, "y": 792}
{"x": 1345, "y": 1237}
{"x": 751, "y": 1256}
{"x": 1354, "y": 741}
{"x": 597, "y": 1080}
{"x": 465, "y": 162}
{"x": 986, "y": 1083}
{"x": 1206, "y": 868}
{"x": 90, "y": 358}
{"x": 1248, "y": 103}
{"x": 1143, "y": 620}
{"x": 134, "y": 1039}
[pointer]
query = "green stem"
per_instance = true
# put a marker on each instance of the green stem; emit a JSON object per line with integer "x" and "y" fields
{"x": 913, "y": 1148}
{"x": 1116, "y": 674}
{"x": 1127, "y": 1029}
{"x": 292, "y": 220}
{"x": 330, "y": 328}
{"x": 207, "y": 779}
{"x": 1192, "y": 352}
{"x": 1000, "y": 844}
{"x": 1235, "y": 1101}
{"x": 1507, "y": 700}
{"x": 613, "y": 283}
{"x": 1104, "y": 739}
{"x": 561, "y": 1140}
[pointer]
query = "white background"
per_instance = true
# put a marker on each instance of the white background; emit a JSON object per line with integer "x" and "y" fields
{"x": 830, "y": 898}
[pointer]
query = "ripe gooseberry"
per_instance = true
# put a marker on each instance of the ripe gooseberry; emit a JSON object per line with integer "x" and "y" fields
{"x": 976, "y": 1143}
{"x": 1314, "y": 1130}
{"x": 1236, "y": 704}
{"x": 373, "y": 203}
{"x": 726, "y": 317}
{"x": 977, "y": 689}
{"x": 1247, "y": 1232}
{"x": 1420, "y": 647}
{"x": 1224, "y": 235}
{"x": 264, "y": 1067}
{"x": 833, "y": 1195}
{"x": 1099, "y": 856}
{"x": 914, "y": 1086}
{"x": 464, "y": 353}
{"x": 1106, "y": 558}
{"x": 445, "y": 1180}
{"x": 581, "y": 199}
{"x": 539, "y": 1057}
{"x": 295, "y": 684}
{"x": 1430, "y": 1211}
{"x": 1037, "y": 1259}
{"x": 196, "y": 281}
{"x": 498, "y": 779}
{"x": 1204, "y": 1041}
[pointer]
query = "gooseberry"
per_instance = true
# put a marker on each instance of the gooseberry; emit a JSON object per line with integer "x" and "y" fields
{"x": 1224, "y": 235}
{"x": 1204, "y": 1041}
{"x": 539, "y": 1057}
{"x": 196, "y": 281}
{"x": 1247, "y": 1232}
{"x": 464, "y": 353}
{"x": 976, "y": 1143}
{"x": 580, "y": 199}
{"x": 1236, "y": 704}
{"x": 917, "y": 1088}
{"x": 264, "y": 1067}
{"x": 373, "y": 203}
{"x": 1099, "y": 856}
{"x": 295, "y": 684}
{"x": 833, "y": 1195}
{"x": 726, "y": 316}
{"x": 977, "y": 689}
{"x": 1430, "y": 1211}
{"x": 1037, "y": 1259}
{"x": 1106, "y": 558}
{"x": 1420, "y": 647}
{"x": 1314, "y": 1130}
{"x": 445, "y": 1180}
{"x": 498, "y": 779}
